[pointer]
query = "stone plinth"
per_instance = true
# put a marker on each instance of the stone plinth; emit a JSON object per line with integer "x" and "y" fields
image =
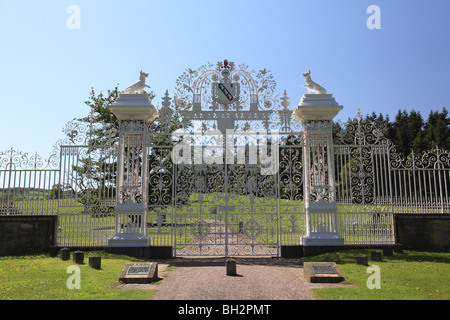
{"x": 134, "y": 107}
{"x": 139, "y": 273}
{"x": 317, "y": 107}
{"x": 124, "y": 240}
{"x": 130, "y": 237}
{"x": 323, "y": 239}
{"x": 322, "y": 272}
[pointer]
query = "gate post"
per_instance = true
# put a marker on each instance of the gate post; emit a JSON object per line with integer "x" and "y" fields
{"x": 134, "y": 112}
{"x": 316, "y": 112}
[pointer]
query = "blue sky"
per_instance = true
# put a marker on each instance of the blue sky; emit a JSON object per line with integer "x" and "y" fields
{"x": 47, "y": 69}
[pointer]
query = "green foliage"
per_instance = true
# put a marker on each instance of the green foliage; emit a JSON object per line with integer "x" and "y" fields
{"x": 410, "y": 132}
{"x": 56, "y": 192}
{"x": 100, "y": 113}
{"x": 437, "y": 130}
{"x": 347, "y": 176}
{"x": 95, "y": 180}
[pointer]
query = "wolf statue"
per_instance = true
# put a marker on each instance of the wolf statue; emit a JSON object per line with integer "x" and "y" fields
{"x": 137, "y": 87}
{"x": 311, "y": 86}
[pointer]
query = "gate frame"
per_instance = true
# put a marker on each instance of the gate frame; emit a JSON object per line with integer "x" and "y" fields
{"x": 250, "y": 230}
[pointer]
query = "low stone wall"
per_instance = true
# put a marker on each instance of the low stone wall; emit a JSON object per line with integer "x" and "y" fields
{"x": 430, "y": 232}
{"x": 299, "y": 251}
{"x": 20, "y": 235}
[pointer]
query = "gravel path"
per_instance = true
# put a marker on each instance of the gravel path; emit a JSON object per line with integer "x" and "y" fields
{"x": 206, "y": 279}
{"x": 257, "y": 279}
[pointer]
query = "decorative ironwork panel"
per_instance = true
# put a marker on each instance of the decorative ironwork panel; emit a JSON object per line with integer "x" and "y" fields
{"x": 226, "y": 210}
{"x": 363, "y": 182}
{"x": 87, "y": 183}
{"x": 256, "y": 202}
{"x": 421, "y": 183}
{"x": 29, "y": 184}
{"x": 291, "y": 201}
{"x": 87, "y": 195}
{"x": 233, "y": 96}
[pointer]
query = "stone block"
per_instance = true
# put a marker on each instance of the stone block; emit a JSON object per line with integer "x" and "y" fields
{"x": 78, "y": 257}
{"x": 95, "y": 262}
{"x": 64, "y": 254}
{"x": 388, "y": 251}
{"x": 231, "y": 267}
{"x": 376, "y": 255}
{"x": 362, "y": 260}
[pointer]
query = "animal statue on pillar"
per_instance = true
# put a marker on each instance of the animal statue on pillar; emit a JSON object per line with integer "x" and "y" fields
{"x": 311, "y": 86}
{"x": 137, "y": 87}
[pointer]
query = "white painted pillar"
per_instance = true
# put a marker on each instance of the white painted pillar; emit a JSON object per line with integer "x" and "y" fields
{"x": 316, "y": 112}
{"x": 134, "y": 112}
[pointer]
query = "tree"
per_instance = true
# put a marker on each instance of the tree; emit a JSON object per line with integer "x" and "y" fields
{"x": 410, "y": 133}
{"x": 100, "y": 114}
{"x": 97, "y": 180}
{"x": 56, "y": 192}
{"x": 400, "y": 133}
{"x": 437, "y": 130}
{"x": 94, "y": 176}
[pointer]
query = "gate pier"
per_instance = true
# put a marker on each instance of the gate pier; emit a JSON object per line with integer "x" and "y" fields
{"x": 316, "y": 112}
{"x": 134, "y": 112}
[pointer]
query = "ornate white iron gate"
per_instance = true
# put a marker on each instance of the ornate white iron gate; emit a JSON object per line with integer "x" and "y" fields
{"x": 229, "y": 195}
{"x": 227, "y": 184}
{"x": 226, "y": 210}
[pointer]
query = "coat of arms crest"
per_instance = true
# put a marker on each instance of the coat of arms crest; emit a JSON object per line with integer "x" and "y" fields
{"x": 224, "y": 91}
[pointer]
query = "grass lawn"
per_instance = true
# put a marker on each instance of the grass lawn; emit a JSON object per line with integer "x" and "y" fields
{"x": 45, "y": 278}
{"x": 408, "y": 276}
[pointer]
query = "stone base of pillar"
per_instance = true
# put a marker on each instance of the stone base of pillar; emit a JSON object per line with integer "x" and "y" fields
{"x": 323, "y": 239}
{"x": 129, "y": 240}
